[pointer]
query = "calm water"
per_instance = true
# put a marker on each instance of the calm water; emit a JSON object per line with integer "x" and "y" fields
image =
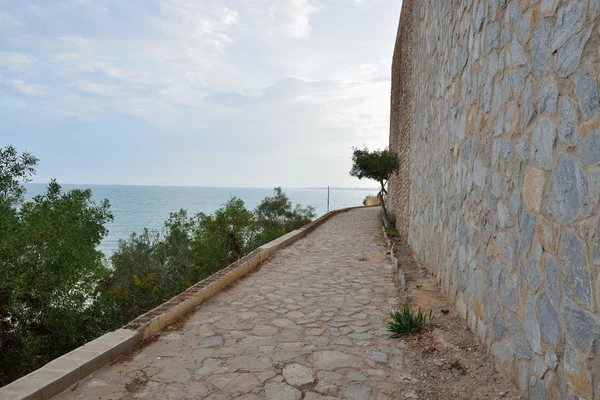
{"x": 138, "y": 207}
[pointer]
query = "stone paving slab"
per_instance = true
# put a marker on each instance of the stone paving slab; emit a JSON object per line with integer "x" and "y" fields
{"x": 310, "y": 323}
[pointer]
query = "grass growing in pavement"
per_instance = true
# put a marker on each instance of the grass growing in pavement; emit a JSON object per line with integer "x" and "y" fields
{"x": 406, "y": 323}
{"x": 392, "y": 232}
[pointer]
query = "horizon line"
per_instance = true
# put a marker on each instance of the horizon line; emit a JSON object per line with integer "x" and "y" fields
{"x": 212, "y": 186}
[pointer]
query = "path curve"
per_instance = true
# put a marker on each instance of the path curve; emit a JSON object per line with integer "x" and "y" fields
{"x": 310, "y": 323}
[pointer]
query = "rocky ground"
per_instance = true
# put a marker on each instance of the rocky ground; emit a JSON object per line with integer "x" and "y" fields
{"x": 448, "y": 360}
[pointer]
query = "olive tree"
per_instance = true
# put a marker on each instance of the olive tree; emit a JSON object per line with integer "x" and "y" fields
{"x": 378, "y": 165}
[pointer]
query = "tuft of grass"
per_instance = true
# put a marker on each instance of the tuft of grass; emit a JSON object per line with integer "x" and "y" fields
{"x": 392, "y": 232}
{"x": 406, "y": 323}
{"x": 363, "y": 259}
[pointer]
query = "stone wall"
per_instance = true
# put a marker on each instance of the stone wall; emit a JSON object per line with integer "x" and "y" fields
{"x": 503, "y": 147}
{"x": 400, "y": 126}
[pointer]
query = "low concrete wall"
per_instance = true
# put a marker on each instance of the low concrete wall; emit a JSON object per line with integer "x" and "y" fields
{"x": 66, "y": 370}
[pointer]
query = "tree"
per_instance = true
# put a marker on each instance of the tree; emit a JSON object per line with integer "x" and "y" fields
{"x": 152, "y": 267}
{"x": 225, "y": 236}
{"x": 51, "y": 298}
{"x": 275, "y": 216}
{"x": 378, "y": 165}
{"x": 15, "y": 170}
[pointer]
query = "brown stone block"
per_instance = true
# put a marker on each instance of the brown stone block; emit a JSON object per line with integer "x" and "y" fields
{"x": 533, "y": 189}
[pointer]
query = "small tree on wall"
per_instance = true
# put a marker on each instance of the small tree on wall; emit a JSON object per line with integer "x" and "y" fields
{"x": 378, "y": 165}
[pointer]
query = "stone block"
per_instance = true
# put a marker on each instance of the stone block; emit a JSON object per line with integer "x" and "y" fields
{"x": 549, "y": 322}
{"x": 586, "y": 89}
{"x": 533, "y": 189}
{"x": 569, "y": 196}
{"x": 503, "y": 354}
{"x": 577, "y": 284}
{"x": 540, "y": 49}
{"x": 588, "y": 148}
{"x": 568, "y": 57}
{"x": 569, "y": 122}
{"x": 542, "y": 143}
{"x": 569, "y": 20}
{"x": 583, "y": 327}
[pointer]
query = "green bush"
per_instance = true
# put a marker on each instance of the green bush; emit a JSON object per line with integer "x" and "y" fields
{"x": 392, "y": 219}
{"x": 392, "y": 232}
{"x": 275, "y": 216}
{"x": 51, "y": 291}
{"x": 406, "y": 323}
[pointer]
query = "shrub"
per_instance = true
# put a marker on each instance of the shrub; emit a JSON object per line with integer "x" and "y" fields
{"x": 51, "y": 291}
{"x": 405, "y": 322}
{"x": 152, "y": 267}
{"x": 392, "y": 219}
{"x": 275, "y": 216}
{"x": 392, "y": 232}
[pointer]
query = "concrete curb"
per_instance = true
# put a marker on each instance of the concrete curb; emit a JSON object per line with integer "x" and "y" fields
{"x": 59, "y": 374}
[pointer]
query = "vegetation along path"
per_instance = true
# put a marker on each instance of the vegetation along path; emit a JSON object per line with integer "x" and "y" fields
{"x": 310, "y": 323}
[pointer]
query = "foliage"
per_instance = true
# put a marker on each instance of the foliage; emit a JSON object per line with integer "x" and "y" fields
{"x": 378, "y": 165}
{"x": 15, "y": 170}
{"x": 153, "y": 267}
{"x": 406, "y": 323}
{"x": 392, "y": 232}
{"x": 225, "y": 236}
{"x": 51, "y": 296}
{"x": 275, "y": 216}
{"x": 392, "y": 219}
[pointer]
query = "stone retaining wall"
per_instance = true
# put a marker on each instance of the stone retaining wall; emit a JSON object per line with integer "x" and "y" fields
{"x": 504, "y": 177}
{"x": 400, "y": 126}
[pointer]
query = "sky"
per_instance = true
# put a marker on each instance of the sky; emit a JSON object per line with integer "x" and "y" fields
{"x": 196, "y": 92}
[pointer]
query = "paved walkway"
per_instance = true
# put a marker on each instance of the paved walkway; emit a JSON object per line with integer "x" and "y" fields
{"x": 310, "y": 323}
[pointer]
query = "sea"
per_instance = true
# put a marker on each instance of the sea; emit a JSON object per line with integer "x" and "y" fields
{"x": 137, "y": 207}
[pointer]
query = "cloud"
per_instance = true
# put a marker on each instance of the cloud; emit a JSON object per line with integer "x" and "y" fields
{"x": 19, "y": 63}
{"x": 26, "y": 88}
{"x": 7, "y": 20}
{"x": 95, "y": 88}
{"x": 285, "y": 18}
{"x": 282, "y": 79}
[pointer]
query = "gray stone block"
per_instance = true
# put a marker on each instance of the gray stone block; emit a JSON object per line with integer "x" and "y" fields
{"x": 540, "y": 49}
{"x": 517, "y": 54}
{"x": 568, "y": 57}
{"x": 569, "y": 196}
{"x": 542, "y": 143}
{"x": 586, "y": 89}
{"x": 577, "y": 284}
{"x": 549, "y": 322}
{"x": 548, "y": 6}
{"x": 548, "y": 95}
{"x": 503, "y": 353}
{"x": 583, "y": 328}
{"x": 552, "y": 277}
{"x": 588, "y": 148}
{"x": 531, "y": 326}
{"x": 528, "y": 110}
{"x": 569, "y": 122}
{"x": 569, "y": 20}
